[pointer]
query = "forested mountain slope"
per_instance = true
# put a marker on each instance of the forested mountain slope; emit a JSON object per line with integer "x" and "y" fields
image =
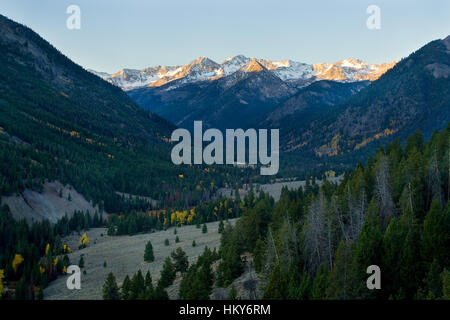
{"x": 60, "y": 122}
{"x": 415, "y": 94}
{"x": 317, "y": 242}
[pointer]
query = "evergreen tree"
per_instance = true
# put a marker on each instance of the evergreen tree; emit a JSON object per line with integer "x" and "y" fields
{"x": 149, "y": 290}
{"x": 343, "y": 276}
{"x": 433, "y": 281}
{"x": 276, "y": 289}
{"x": 126, "y": 288}
{"x": 221, "y": 226}
{"x": 160, "y": 293}
{"x": 40, "y": 294}
{"x": 445, "y": 275}
{"x": 320, "y": 284}
{"x": 259, "y": 255}
{"x": 435, "y": 235}
{"x": 137, "y": 286}
{"x": 368, "y": 249}
{"x": 110, "y": 288}
{"x": 204, "y": 228}
{"x": 148, "y": 254}
{"x": 168, "y": 274}
{"x": 21, "y": 292}
{"x": 411, "y": 273}
{"x": 180, "y": 259}
{"x": 81, "y": 262}
{"x": 233, "y": 295}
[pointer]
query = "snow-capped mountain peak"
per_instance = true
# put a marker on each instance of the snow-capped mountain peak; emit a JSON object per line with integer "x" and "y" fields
{"x": 203, "y": 69}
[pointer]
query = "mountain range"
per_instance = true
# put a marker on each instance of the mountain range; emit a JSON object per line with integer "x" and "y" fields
{"x": 61, "y": 122}
{"x": 202, "y": 68}
{"x": 336, "y": 115}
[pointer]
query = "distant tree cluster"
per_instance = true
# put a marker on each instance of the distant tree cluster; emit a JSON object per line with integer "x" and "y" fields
{"x": 141, "y": 222}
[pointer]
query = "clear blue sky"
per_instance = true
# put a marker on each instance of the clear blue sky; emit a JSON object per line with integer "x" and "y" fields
{"x": 136, "y": 33}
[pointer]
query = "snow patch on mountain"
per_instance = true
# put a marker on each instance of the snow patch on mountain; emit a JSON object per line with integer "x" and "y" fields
{"x": 203, "y": 69}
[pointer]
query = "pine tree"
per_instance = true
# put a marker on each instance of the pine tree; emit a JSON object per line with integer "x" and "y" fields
{"x": 342, "y": 275}
{"x": 221, "y": 226}
{"x": 177, "y": 240}
{"x": 445, "y": 275}
{"x": 168, "y": 274}
{"x": 233, "y": 295}
{"x": 148, "y": 254}
{"x": 368, "y": 249}
{"x": 276, "y": 289}
{"x": 81, "y": 262}
{"x": 194, "y": 244}
{"x": 126, "y": 288}
{"x": 149, "y": 290}
{"x": 21, "y": 292}
{"x": 435, "y": 235}
{"x": 320, "y": 284}
{"x": 110, "y": 288}
{"x": 111, "y": 230}
{"x": 204, "y": 228}
{"x": 433, "y": 281}
{"x": 40, "y": 294}
{"x": 160, "y": 293}
{"x": 180, "y": 259}
{"x": 166, "y": 242}
{"x": 258, "y": 255}
{"x": 411, "y": 273}
{"x": 137, "y": 286}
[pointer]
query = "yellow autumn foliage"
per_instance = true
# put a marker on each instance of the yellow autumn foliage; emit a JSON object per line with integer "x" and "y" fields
{"x": 84, "y": 241}
{"x": 191, "y": 215}
{"x": 182, "y": 217}
{"x": 47, "y": 249}
{"x": 2, "y": 276}
{"x": 18, "y": 259}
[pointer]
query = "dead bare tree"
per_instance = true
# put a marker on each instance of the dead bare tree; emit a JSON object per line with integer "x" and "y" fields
{"x": 289, "y": 243}
{"x": 318, "y": 242}
{"x": 434, "y": 179}
{"x": 272, "y": 256}
{"x": 383, "y": 190}
{"x": 352, "y": 220}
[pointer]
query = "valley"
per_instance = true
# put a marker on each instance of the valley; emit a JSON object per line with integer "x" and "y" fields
{"x": 363, "y": 177}
{"x": 124, "y": 256}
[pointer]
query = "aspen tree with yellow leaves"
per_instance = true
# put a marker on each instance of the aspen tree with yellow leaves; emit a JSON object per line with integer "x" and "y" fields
{"x": 18, "y": 259}
{"x": 2, "y": 276}
{"x": 84, "y": 241}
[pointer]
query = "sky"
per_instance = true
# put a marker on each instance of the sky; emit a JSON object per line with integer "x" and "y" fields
{"x": 136, "y": 34}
